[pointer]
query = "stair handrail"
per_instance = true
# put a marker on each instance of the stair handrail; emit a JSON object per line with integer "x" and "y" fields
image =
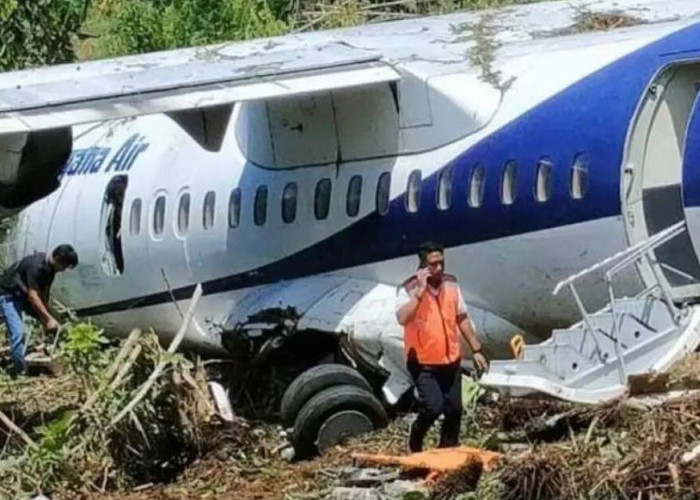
{"x": 624, "y": 258}
{"x": 630, "y": 254}
{"x": 675, "y": 230}
{"x": 646, "y": 253}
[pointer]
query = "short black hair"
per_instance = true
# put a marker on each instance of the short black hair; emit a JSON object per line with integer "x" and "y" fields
{"x": 65, "y": 254}
{"x": 427, "y": 248}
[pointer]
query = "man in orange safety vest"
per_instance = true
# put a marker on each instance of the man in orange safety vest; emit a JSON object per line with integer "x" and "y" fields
{"x": 432, "y": 312}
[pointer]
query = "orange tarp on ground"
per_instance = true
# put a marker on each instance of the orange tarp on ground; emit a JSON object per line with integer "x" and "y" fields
{"x": 438, "y": 460}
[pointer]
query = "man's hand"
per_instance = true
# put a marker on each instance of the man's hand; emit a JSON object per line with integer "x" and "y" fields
{"x": 41, "y": 310}
{"x": 51, "y": 325}
{"x": 482, "y": 364}
{"x": 422, "y": 277}
{"x": 406, "y": 312}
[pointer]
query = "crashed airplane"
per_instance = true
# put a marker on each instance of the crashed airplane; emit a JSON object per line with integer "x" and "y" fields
{"x": 295, "y": 177}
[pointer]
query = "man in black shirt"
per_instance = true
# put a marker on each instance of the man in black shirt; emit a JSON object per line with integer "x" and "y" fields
{"x": 29, "y": 282}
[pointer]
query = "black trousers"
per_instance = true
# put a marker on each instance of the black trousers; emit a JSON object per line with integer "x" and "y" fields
{"x": 439, "y": 392}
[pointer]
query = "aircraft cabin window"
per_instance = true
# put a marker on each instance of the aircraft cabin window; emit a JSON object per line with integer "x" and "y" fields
{"x": 579, "y": 177}
{"x": 543, "y": 180}
{"x": 354, "y": 196}
{"x": 509, "y": 183}
{"x": 383, "y": 189}
{"x": 234, "y": 208}
{"x": 476, "y": 186}
{"x": 135, "y": 217}
{"x": 289, "y": 203}
{"x": 159, "y": 215}
{"x": 208, "y": 210}
{"x": 413, "y": 191}
{"x": 322, "y": 198}
{"x": 260, "y": 208}
{"x": 444, "y": 193}
{"x": 183, "y": 214}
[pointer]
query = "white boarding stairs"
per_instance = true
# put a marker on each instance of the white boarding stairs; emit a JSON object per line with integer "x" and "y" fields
{"x": 590, "y": 361}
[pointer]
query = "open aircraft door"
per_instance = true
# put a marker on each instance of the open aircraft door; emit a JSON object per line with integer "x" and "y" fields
{"x": 661, "y": 177}
{"x": 691, "y": 174}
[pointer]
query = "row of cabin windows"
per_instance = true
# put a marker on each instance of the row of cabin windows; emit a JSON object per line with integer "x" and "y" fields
{"x": 542, "y": 191}
{"x": 322, "y": 199}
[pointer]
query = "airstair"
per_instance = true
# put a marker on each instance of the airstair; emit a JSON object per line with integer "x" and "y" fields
{"x": 591, "y": 361}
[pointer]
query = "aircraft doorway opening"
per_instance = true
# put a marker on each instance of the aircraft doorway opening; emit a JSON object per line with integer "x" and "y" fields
{"x": 652, "y": 176}
{"x": 110, "y": 226}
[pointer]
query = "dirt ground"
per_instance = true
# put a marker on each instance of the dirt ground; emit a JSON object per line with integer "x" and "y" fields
{"x": 259, "y": 471}
{"x": 553, "y": 450}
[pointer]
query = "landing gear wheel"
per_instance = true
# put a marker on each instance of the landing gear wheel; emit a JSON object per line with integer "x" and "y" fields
{"x": 333, "y": 415}
{"x": 315, "y": 380}
{"x": 341, "y": 426}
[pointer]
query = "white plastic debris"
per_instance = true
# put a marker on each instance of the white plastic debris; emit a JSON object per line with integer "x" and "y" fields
{"x": 222, "y": 401}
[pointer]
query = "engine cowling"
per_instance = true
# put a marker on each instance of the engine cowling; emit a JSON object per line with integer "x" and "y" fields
{"x": 30, "y": 166}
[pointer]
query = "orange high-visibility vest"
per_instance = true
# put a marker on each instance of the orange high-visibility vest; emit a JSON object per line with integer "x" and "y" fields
{"x": 433, "y": 333}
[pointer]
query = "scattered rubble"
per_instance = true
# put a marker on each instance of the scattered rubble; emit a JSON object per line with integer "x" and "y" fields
{"x": 364, "y": 478}
{"x": 406, "y": 489}
{"x": 174, "y": 445}
{"x": 628, "y": 453}
{"x": 463, "y": 480}
{"x": 344, "y": 493}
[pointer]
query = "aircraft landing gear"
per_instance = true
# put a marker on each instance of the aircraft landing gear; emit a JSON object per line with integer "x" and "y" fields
{"x": 328, "y": 404}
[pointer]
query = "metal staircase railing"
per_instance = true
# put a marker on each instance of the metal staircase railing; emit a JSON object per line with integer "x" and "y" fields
{"x": 632, "y": 252}
{"x": 622, "y": 260}
{"x": 646, "y": 332}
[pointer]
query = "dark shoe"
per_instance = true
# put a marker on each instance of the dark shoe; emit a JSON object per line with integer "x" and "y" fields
{"x": 415, "y": 443}
{"x": 17, "y": 370}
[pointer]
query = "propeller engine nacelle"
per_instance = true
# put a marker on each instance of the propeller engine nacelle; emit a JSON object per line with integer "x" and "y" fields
{"x": 30, "y": 166}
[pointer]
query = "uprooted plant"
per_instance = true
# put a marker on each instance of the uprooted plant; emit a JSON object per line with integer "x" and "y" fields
{"x": 128, "y": 426}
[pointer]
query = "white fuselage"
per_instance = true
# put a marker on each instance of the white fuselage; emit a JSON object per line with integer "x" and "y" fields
{"x": 508, "y": 251}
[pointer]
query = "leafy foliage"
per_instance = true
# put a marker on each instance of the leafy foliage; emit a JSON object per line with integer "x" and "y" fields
{"x": 41, "y": 32}
{"x": 328, "y": 14}
{"x": 84, "y": 350}
{"x": 138, "y": 26}
{"x": 38, "y": 32}
{"x": 47, "y": 462}
{"x": 121, "y": 27}
{"x": 80, "y": 446}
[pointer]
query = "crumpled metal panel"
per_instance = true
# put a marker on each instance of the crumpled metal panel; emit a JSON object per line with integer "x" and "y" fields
{"x": 296, "y": 296}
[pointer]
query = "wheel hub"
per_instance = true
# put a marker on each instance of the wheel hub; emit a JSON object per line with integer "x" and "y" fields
{"x": 341, "y": 426}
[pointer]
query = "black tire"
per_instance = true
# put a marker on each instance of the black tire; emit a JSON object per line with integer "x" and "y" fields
{"x": 315, "y": 380}
{"x": 325, "y": 404}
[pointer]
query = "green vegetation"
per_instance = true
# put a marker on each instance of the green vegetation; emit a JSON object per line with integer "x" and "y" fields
{"x": 328, "y": 14}
{"x": 70, "y": 437}
{"x": 38, "y": 32}
{"x": 137, "y": 26}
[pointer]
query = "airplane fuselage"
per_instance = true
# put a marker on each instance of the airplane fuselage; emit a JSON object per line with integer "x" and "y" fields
{"x": 520, "y": 176}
